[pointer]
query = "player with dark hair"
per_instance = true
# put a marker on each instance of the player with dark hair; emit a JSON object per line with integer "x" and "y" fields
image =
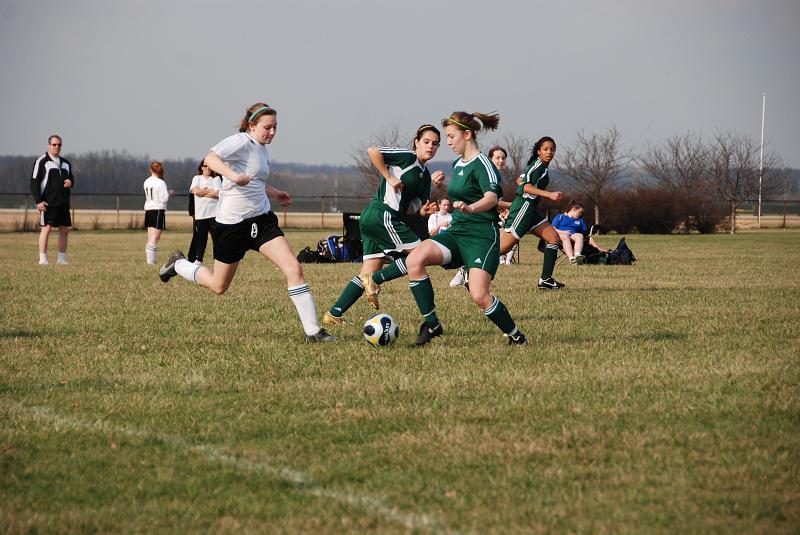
{"x": 525, "y": 216}
{"x": 405, "y": 183}
{"x": 204, "y": 188}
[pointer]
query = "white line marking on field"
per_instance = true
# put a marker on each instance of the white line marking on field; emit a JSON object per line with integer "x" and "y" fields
{"x": 219, "y": 455}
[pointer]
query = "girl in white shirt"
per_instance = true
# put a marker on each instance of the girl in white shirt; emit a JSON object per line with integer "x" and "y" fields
{"x": 156, "y": 196}
{"x": 244, "y": 220}
{"x": 205, "y": 188}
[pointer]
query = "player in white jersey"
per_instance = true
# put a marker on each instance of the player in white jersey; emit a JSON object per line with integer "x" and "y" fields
{"x": 156, "y": 196}
{"x": 244, "y": 220}
{"x": 205, "y": 189}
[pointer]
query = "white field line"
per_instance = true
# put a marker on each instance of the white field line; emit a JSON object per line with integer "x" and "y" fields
{"x": 298, "y": 479}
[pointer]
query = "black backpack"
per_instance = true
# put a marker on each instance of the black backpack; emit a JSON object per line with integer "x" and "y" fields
{"x": 621, "y": 256}
{"x": 307, "y": 256}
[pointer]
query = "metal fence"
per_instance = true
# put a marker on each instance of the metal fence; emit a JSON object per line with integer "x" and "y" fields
{"x": 126, "y": 211}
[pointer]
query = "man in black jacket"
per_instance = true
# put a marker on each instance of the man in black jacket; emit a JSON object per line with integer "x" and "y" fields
{"x": 50, "y": 186}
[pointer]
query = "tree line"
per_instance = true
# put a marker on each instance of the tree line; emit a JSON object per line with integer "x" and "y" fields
{"x": 114, "y": 172}
{"x": 687, "y": 182}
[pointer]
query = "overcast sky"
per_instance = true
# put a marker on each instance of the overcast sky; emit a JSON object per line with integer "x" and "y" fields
{"x": 170, "y": 78}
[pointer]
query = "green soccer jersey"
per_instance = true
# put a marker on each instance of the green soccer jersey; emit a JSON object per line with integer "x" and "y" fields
{"x": 416, "y": 179}
{"x": 535, "y": 174}
{"x": 469, "y": 182}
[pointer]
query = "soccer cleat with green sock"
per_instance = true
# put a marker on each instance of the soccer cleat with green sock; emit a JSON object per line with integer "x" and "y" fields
{"x": 426, "y": 333}
{"x": 371, "y": 290}
{"x": 518, "y": 340}
{"x": 330, "y": 319}
{"x": 550, "y": 284}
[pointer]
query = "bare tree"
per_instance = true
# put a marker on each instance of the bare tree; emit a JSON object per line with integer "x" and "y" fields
{"x": 594, "y": 164}
{"x": 682, "y": 164}
{"x": 735, "y": 168}
{"x": 387, "y": 137}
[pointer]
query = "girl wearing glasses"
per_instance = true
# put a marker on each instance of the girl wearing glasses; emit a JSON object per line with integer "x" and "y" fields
{"x": 205, "y": 189}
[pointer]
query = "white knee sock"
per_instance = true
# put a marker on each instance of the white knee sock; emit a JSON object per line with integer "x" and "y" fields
{"x": 306, "y": 308}
{"x": 150, "y": 252}
{"x": 187, "y": 270}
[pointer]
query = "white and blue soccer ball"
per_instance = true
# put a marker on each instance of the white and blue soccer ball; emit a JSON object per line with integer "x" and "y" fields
{"x": 381, "y": 330}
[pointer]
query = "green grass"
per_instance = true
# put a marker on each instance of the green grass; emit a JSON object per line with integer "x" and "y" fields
{"x": 661, "y": 397}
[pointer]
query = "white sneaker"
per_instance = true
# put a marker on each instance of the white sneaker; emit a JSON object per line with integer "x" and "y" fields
{"x": 63, "y": 262}
{"x": 44, "y": 262}
{"x": 458, "y": 280}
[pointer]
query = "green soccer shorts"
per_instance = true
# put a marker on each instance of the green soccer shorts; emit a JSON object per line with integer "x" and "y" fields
{"x": 474, "y": 245}
{"x": 522, "y": 217}
{"x": 382, "y": 233}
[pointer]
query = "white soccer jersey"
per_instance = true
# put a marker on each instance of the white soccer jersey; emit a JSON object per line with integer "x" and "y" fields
{"x": 245, "y": 156}
{"x": 205, "y": 207}
{"x": 438, "y": 219}
{"x": 155, "y": 194}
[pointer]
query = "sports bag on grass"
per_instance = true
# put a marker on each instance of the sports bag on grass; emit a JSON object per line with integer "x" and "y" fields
{"x": 621, "y": 256}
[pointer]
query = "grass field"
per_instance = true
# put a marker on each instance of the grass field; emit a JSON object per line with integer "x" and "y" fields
{"x": 661, "y": 397}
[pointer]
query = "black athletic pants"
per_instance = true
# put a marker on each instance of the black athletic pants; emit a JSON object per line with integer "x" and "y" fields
{"x": 200, "y": 231}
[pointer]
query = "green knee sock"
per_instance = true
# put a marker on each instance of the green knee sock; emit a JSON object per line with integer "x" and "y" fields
{"x": 550, "y": 255}
{"x": 498, "y": 313}
{"x": 351, "y": 293}
{"x": 423, "y": 295}
{"x": 395, "y": 270}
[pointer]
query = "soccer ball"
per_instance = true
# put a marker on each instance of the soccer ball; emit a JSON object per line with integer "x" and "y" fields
{"x": 381, "y": 330}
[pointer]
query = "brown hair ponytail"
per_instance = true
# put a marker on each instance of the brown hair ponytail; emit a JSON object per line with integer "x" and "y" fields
{"x": 474, "y": 121}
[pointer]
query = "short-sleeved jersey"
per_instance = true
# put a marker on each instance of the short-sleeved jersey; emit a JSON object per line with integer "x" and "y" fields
{"x": 569, "y": 224}
{"x": 535, "y": 174}
{"x": 205, "y": 207}
{"x": 156, "y": 194}
{"x": 470, "y": 181}
{"x": 416, "y": 179}
{"x": 245, "y": 156}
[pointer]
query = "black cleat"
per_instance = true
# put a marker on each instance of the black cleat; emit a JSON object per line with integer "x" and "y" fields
{"x": 167, "y": 271}
{"x": 517, "y": 340}
{"x": 550, "y": 284}
{"x": 426, "y": 334}
{"x": 321, "y": 336}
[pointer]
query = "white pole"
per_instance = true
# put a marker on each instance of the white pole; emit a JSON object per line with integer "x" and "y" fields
{"x": 761, "y": 164}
